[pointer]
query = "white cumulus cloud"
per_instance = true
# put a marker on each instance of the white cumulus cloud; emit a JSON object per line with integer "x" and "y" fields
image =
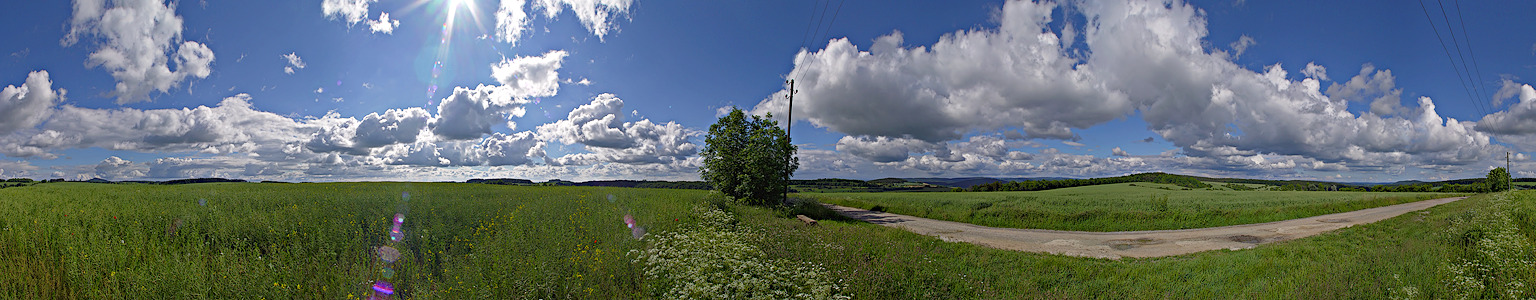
{"x": 530, "y": 76}
{"x": 600, "y": 128}
{"x": 1015, "y": 76}
{"x": 597, "y": 15}
{"x": 1118, "y": 152}
{"x": 294, "y": 63}
{"x": 356, "y": 11}
{"x": 357, "y": 137}
{"x": 25, "y": 106}
{"x": 114, "y": 168}
{"x": 1205, "y": 104}
{"x": 384, "y": 24}
{"x": 232, "y": 126}
{"x": 1241, "y": 45}
{"x": 1146, "y": 58}
{"x": 139, "y": 40}
{"x": 511, "y": 21}
{"x": 494, "y": 150}
{"x": 1520, "y": 119}
{"x": 351, "y": 11}
{"x": 1380, "y": 88}
{"x": 469, "y": 113}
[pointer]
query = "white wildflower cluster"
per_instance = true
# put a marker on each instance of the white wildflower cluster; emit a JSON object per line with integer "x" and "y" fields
{"x": 1496, "y": 258}
{"x": 1400, "y": 291}
{"x": 717, "y": 259}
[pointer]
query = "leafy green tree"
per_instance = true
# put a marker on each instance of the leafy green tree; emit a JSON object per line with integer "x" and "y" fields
{"x": 748, "y": 159}
{"x": 1498, "y": 180}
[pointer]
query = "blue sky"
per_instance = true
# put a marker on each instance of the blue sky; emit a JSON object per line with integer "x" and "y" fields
{"x": 613, "y": 89}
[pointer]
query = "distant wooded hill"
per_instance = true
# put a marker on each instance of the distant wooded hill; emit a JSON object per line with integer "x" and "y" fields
{"x": 934, "y": 184}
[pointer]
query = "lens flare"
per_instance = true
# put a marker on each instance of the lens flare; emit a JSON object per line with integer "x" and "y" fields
{"x": 383, "y": 287}
{"x": 395, "y": 235}
{"x": 389, "y": 254}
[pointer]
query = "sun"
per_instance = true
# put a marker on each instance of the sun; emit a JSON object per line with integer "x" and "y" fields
{"x": 453, "y": 7}
{"x": 448, "y": 9}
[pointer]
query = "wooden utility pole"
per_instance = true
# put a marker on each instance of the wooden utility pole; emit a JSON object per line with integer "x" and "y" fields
{"x": 789, "y": 125}
{"x": 1509, "y": 179}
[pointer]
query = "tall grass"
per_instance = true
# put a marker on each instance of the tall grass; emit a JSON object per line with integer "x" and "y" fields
{"x": 1119, "y": 207}
{"x": 75, "y": 240}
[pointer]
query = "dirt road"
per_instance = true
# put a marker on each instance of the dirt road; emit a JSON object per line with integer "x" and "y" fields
{"x": 1154, "y": 243}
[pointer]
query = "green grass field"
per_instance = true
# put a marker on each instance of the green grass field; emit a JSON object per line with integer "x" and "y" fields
{"x": 76, "y": 240}
{"x": 1405, "y": 257}
{"x": 1120, "y": 207}
{"x": 316, "y": 241}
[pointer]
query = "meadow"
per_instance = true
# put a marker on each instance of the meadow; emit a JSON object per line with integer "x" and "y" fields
{"x": 1120, "y": 207}
{"x": 317, "y": 241}
{"x": 1480, "y": 248}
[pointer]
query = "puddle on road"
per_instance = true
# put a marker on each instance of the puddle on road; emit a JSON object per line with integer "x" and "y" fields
{"x": 1126, "y": 244}
{"x": 1245, "y": 239}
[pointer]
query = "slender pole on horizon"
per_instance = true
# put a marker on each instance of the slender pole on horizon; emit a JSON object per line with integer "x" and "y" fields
{"x": 789, "y": 126}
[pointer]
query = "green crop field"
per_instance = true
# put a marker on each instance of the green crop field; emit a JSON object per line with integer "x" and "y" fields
{"x": 1120, "y": 207}
{"x": 317, "y": 241}
{"x": 247, "y": 240}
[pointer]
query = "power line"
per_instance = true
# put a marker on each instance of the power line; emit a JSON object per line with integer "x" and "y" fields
{"x": 834, "y": 18}
{"x": 818, "y": 32}
{"x": 1473, "y": 54}
{"x": 823, "y": 18}
{"x": 808, "y": 33}
{"x": 812, "y": 18}
{"x": 1457, "y": 43}
{"x": 1447, "y": 50}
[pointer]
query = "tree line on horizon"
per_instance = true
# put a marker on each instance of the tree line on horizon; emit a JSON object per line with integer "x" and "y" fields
{"x": 1040, "y": 185}
{"x": 1497, "y": 180}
